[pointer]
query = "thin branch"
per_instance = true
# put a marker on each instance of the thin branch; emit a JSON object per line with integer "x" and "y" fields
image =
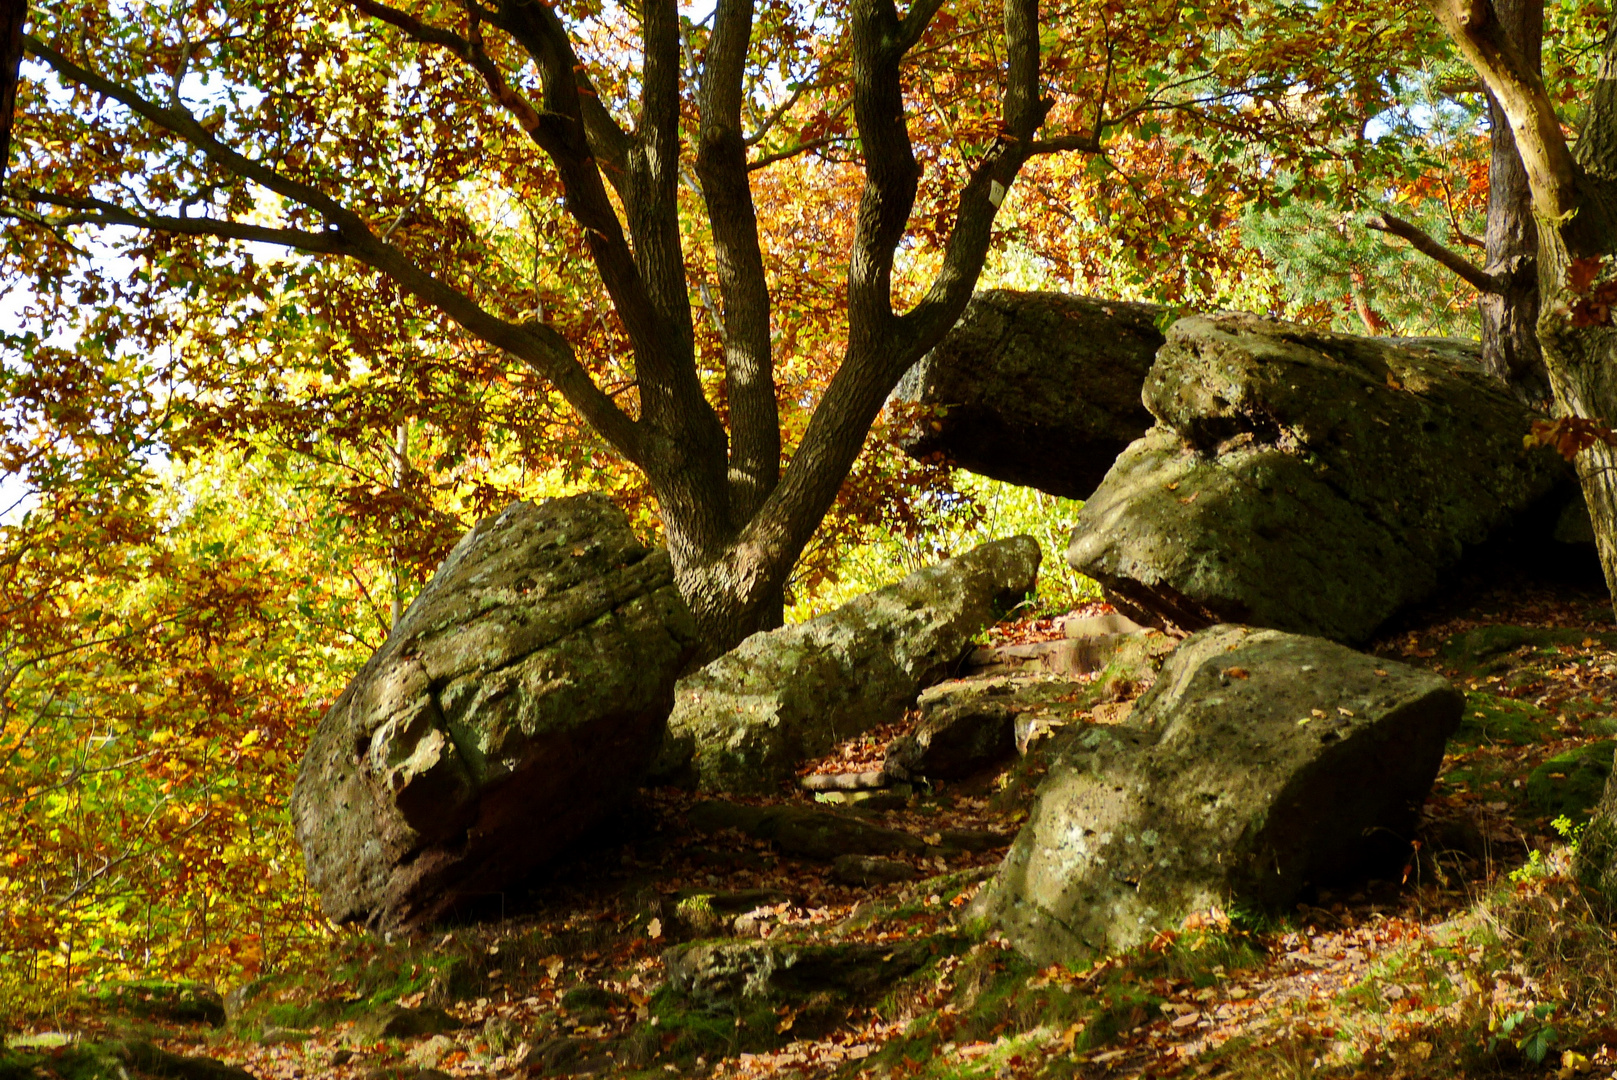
{"x": 796, "y": 151}
{"x": 539, "y": 345}
{"x": 775, "y": 115}
{"x": 91, "y": 211}
{"x": 1087, "y": 142}
{"x": 1423, "y": 242}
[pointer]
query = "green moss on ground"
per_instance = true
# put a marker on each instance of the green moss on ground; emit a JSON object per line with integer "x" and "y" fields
{"x": 1571, "y": 783}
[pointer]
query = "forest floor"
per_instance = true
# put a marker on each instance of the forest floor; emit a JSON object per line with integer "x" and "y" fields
{"x": 1478, "y": 958}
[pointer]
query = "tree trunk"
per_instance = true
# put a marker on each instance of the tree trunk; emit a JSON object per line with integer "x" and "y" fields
{"x": 1581, "y": 360}
{"x": 1510, "y": 348}
{"x": 1574, "y": 196}
{"x": 1582, "y": 368}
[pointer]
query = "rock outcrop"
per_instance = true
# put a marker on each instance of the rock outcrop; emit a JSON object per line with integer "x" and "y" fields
{"x": 1307, "y": 481}
{"x": 521, "y": 696}
{"x": 744, "y": 722}
{"x": 1258, "y": 762}
{"x": 957, "y": 736}
{"x": 1034, "y": 388}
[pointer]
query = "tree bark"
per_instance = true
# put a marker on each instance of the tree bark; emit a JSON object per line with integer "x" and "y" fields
{"x": 13, "y": 14}
{"x": 1510, "y": 348}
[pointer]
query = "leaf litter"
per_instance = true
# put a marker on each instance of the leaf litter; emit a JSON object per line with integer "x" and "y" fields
{"x": 1450, "y": 969}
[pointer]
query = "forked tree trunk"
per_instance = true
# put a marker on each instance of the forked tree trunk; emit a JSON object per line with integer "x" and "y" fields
{"x": 735, "y": 519}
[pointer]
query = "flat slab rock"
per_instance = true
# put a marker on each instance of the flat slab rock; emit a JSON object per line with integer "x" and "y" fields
{"x": 1040, "y": 389}
{"x": 1259, "y": 762}
{"x": 719, "y": 971}
{"x": 130, "y": 1059}
{"x": 744, "y": 722}
{"x": 1306, "y": 481}
{"x": 520, "y": 697}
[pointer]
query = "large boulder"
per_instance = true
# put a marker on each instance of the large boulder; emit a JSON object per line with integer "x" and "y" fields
{"x": 1259, "y": 762}
{"x": 1307, "y": 481}
{"x": 744, "y": 722}
{"x": 1034, "y": 388}
{"x": 520, "y": 697}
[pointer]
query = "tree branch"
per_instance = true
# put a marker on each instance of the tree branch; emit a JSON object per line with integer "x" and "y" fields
{"x": 671, "y": 393}
{"x": 1022, "y": 113}
{"x": 92, "y": 211}
{"x": 179, "y": 121}
{"x": 538, "y": 345}
{"x": 721, "y": 162}
{"x": 1476, "y": 276}
{"x": 657, "y": 321}
{"x": 544, "y": 38}
{"x": 775, "y": 115}
{"x": 880, "y": 347}
{"x": 916, "y": 20}
{"x": 879, "y": 41}
{"x": 794, "y": 150}
{"x": 1088, "y": 143}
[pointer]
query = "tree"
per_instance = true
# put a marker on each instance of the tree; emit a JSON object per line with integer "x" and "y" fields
{"x": 1507, "y": 283}
{"x": 1574, "y": 198}
{"x": 364, "y": 134}
{"x": 734, "y": 520}
{"x": 1573, "y": 185}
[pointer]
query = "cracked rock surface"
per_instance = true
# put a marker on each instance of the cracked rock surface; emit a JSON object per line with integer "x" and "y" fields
{"x": 1308, "y": 481}
{"x": 520, "y": 697}
{"x": 1034, "y": 388}
{"x": 1257, "y": 764}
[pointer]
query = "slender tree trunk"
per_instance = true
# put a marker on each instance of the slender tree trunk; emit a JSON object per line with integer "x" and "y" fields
{"x": 1510, "y": 348}
{"x": 1374, "y": 324}
{"x": 13, "y": 14}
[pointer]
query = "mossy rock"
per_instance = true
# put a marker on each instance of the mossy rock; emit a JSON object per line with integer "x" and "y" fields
{"x": 131, "y": 1060}
{"x": 592, "y": 1004}
{"x": 1490, "y": 719}
{"x": 1486, "y": 649}
{"x": 155, "y": 999}
{"x": 1571, "y": 783}
{"x": 398, "y": 1022}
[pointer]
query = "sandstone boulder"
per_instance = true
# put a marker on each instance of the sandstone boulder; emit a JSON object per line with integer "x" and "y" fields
{"x": 955, "y": 739}
{"x": 1034, "y": 388}
{"x": 1259, "y": 762}
{"x": 520, "y": 697}
{"x": 744, "y": 722}
{"x": 1307, "y": 481}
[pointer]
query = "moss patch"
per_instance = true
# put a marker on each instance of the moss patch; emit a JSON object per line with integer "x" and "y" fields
{"x": 1492, "y": 720}
{"x": 1571, "y": 783}
{"x": 1494, "y": 650}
